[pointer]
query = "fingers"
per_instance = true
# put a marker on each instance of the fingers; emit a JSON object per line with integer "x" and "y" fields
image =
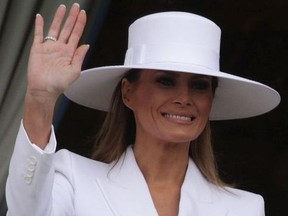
{"x": 57, "y": 21}
{"x": 38, "y": 32}
{"x": 73, "y": 27}
{"x": 70, "y": 23}
{"x": 79, "y": 55}
{"x": 78, "y": 29}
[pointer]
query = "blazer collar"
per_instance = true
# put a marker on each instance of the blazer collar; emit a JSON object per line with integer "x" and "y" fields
{"x": 198, "y": 196}
{"x": 125, "y": 188}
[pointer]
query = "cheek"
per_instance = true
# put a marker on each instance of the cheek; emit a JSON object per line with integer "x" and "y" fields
{"x": 141, "y": 99}
{"x": 205, "y": 105}
{"x": 147, "y": 94}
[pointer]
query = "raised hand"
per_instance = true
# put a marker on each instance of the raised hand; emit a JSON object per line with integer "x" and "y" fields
{"x": 54, "y": 64}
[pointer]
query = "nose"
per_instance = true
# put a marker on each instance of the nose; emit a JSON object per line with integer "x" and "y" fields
{"x": 183, "y": 96}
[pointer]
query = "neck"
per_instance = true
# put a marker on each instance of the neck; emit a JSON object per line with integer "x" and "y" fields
{"x": 162, "y": 163}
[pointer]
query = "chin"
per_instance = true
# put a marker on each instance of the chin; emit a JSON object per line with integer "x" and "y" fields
{"x": 181, "y": 139}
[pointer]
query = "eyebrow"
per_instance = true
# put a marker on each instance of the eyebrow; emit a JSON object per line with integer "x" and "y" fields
{"x": 176, "y": 74}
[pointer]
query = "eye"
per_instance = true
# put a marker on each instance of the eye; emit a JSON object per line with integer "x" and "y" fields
{"x": 201, "y": 84}
{"x": 166, "y": 81}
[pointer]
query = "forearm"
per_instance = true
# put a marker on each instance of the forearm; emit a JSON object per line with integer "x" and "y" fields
{"x": 38, "y": 116}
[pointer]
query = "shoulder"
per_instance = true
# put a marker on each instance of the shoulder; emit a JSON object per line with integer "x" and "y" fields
{"x": 240, "y": 202}
{"x": 236, "y": 195}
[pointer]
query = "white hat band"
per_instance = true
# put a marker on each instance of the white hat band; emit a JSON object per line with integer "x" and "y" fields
{"x": 172, "y": 53}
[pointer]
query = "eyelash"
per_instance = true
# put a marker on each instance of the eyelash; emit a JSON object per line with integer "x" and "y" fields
{"x": 194, "y": 85}
{"x": 166, "y": 81}
{"x": 200, "y": 85}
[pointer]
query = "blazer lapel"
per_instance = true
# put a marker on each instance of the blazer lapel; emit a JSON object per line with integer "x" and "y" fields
{"x": 198, "y": 196}
{"x": 125, "y": 189}
{"x": 126, "y": 193}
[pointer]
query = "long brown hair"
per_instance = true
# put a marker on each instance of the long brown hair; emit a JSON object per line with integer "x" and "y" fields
{"x": 119, "y": 129}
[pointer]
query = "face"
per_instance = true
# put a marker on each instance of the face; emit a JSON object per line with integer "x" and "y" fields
{"x": 169, "y": 107}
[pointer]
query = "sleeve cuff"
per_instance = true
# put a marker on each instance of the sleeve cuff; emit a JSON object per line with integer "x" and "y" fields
{"x": 51, "y": 146}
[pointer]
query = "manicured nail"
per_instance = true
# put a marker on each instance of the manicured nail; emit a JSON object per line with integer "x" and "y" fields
{"x": 77, "y": 4}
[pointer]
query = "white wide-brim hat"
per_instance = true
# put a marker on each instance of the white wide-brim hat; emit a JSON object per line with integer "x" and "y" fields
{"x": 180, "y": 42}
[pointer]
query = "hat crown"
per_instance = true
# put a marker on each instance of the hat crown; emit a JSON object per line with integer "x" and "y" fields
{"x": 174, "y": 37}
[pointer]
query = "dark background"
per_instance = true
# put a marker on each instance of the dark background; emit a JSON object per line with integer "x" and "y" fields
{"x": 252, "y": 153}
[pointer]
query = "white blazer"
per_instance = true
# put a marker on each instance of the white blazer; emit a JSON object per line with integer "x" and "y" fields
{"x": 66, "y": 184}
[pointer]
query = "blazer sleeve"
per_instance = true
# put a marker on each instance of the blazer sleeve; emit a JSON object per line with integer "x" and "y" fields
{"x": 33, "y": 186}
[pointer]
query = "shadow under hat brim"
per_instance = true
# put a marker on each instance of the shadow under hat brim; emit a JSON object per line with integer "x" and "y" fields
{"x": 235, "y": 97}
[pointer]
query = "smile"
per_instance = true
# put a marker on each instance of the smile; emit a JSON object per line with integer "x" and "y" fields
{"x": 177, "y": 117}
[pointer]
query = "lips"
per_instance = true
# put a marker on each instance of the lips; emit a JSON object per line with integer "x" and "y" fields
{"x": 178, "y": 117}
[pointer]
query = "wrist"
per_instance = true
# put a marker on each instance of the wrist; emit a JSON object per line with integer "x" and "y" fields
{"x": 41, "y": 97}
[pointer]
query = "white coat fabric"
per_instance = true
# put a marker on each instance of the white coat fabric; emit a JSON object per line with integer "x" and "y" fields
{"x": 43, "y": 183}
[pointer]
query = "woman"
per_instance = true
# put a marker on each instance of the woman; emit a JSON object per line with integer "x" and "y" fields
{"x": 153, "y": 155}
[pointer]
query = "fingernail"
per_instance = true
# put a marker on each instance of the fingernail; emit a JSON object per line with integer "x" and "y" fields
{"x": 62, "y": 5}
{"x": 77, "y": 4}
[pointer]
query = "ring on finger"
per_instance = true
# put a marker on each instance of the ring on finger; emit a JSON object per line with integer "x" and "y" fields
{"x": 50, "y": 38}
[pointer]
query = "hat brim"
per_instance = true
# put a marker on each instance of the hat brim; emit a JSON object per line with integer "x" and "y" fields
{"x": 235, "y": 97}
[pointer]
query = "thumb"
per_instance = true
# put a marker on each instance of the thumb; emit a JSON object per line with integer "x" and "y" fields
{"x": 79, "y": 55}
